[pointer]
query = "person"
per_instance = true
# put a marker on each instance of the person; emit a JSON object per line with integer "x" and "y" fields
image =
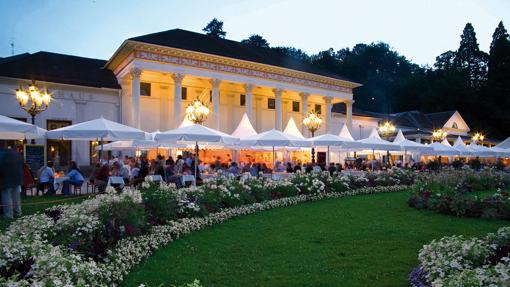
{"x": 11, "y": 178}
{"x": 289, "y": 168}
{"x": 46, "y": 179}
{"x": 297, "y": 167}
{"x": 170, "y": 161}
{"x": 233, "y": 169}
{"x": 75, "y": 178}
{"x": 179, "y": 164}
{"x": 100, "y": 176}
{"x": 332, "y": 168}
{"x": 254, "y": 170}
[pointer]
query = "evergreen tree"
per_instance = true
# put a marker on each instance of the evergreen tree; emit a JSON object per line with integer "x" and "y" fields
{"x": 499, "y": 56}
{"x": 257, "y": 41}
{"x": 215, "y": 28}
{"x": 470, "y": 59}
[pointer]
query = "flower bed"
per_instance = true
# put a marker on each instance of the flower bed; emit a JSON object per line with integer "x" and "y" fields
{"x": 97, "y": 242}
{"x": 457, "y": 261}
{"x": 458, "y": 193}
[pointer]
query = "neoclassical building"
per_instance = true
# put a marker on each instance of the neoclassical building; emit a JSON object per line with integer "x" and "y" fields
{"x": 150, "y": 79}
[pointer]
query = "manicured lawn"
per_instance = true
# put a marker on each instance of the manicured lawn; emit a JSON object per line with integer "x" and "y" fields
{"x": 368, "y": 240}
{"x": 33, "y": 204}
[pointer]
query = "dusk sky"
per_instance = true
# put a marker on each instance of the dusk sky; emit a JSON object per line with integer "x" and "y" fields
{"x": 419, "y": 30}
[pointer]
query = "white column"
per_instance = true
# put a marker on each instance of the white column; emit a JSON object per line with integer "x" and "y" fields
{"x": 216, "y": 102}
{"x": 249, "y": 101}
{"x": 304, "y": 110}
{"x": 177, "y": 98}
{"x": 135, "y": 96}
{"x": 348, "y": 115}
{"x": 278, "y": 106}
{"x": 328, "y": 114}
{"x": 164, "y": 109}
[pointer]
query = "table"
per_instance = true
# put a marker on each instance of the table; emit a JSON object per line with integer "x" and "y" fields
{"x": 58, "y": 181}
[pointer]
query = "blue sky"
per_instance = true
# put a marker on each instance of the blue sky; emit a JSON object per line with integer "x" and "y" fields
{"x": 420, "y": 30}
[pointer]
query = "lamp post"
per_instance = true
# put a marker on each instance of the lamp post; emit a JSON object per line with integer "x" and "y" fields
{"x": 312, "y": 122}
{"x": 386, "y": 130}
{"x": 33, "y": 101}
{"x": 197, "y": 113}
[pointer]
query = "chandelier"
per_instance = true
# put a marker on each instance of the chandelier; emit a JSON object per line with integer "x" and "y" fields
{"x": 33, "y": 100}
{"x": 197, "y": 112}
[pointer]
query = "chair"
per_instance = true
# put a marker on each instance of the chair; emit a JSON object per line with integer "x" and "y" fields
{"x": 188, "y": 178}
{"x": 76, "y": 189}
{"x": 90, "y": 183}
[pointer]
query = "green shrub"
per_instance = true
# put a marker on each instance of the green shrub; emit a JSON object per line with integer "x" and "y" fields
{"x": 161, "y": 205}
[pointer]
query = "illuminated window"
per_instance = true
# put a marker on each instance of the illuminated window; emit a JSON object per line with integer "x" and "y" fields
{"x": 455, "y": 126}
{"x": 145, "y": 89}
{"x": 271, "y": 104}
{"x": 295, "y": 106}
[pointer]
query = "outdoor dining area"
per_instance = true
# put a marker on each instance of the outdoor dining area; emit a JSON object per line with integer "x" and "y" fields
{"x": 192, "y": 153}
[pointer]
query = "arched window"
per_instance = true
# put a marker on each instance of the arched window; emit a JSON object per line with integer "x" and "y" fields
{"x": 455, "y": 126}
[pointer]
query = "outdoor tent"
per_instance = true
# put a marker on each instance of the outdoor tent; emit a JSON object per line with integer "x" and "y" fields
{"x": 442, "y": 149}
{"x": 292, "y": 129}
{"x": 374, "y": 142}
{"x": 462, "y": 148}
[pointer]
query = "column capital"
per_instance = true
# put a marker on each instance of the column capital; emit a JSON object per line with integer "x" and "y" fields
{"x": 349, "y": 103}
{"x": 177, "y": 77}
{"x": 215, "y": 83}
{"x": 249, "y": 88}
{"x": 135, "y": 73}
{"x": 327, "y": 99}
{"x": 304, "y": 94}
{"x": 278, "y": 92}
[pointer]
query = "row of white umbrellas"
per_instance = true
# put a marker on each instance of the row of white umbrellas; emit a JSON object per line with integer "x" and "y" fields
{"x": 244, "y": 136}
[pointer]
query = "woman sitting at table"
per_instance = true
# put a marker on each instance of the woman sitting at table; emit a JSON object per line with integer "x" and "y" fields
{"x": 46, "y": 177}
{"x": 75, "y": 178}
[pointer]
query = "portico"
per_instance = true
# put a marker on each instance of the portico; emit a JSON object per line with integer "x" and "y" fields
{"x": 158, "y": 82}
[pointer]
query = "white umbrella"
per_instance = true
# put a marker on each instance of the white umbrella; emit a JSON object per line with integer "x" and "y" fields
{"x": 14, "y": 129}
{"x": 198, "y": 134}
{"x": 374, "y": 142}
{"x": 443, "y": 148}
{"x": 462, "y": 148}
{"x": 101, "y": 129}
{"x": 274, "y": 138}
{"x": 331, "y": 140}
{"x": 482, "y": 151}
{"x": 132, "y": 145}
{"x": 407, "y": 145}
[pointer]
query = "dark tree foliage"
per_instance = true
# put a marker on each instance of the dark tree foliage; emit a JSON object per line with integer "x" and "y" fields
{"x": 470, "y": 59}
{"x": 257, "y": 41}
{"x": 215, "y": 28}
{"x": 292, "y": 52}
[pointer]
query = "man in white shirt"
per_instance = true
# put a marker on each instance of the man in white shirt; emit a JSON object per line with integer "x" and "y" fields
{"x": 46, "y": 178}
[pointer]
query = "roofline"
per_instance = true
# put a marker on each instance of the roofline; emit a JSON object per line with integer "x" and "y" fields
{"x": 126, "y": 42}
{"x": 63, "y": 84}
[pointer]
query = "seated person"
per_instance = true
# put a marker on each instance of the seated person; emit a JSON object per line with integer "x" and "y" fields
{"x": 100, "y": 177}
{"x": 28, "y": 179}
{"x": 332, "y": 168}
{"x": 46, "y": 179}
{"x": 75, "y": 178}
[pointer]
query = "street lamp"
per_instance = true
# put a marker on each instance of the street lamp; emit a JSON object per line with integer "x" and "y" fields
{"x": 386, "y": 130}
{"x": 197, "y": 113}
{"x": 312, "y": 122}
{"x": 439, "y": 135}
{"x": 478, "y": 137}
{"x": 32, "y": 100}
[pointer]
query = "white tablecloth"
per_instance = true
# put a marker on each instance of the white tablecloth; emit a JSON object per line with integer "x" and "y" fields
{"x": 58, "y": 182}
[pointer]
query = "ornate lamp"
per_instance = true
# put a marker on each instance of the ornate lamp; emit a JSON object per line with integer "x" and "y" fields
{"x": 386, "y": 130}
{"x": 312, "y": 122}
{"x": 197, "y": 112}
{"x": 33, "y": 100}
{"x": 439, "y": 135}
{"x": 478, "y": 137}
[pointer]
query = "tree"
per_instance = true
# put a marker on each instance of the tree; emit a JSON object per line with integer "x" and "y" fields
{"x": 215, "y": 28}
{"x": 257, "y": 41}
{"x": 470, "y": 59}
{"x": 499, "y": 56}
{"x": 297, "y": 54}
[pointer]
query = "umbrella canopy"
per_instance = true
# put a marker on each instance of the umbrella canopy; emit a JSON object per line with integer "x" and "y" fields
{"x": 374, "y": 142}
{"x": 274, "y": 138}
{"x": 245, "y": 128}
{"x": 462, "y": 148}
{"x": 330, "y": 140}
{"x": 443, "y": 148}
{"x": 292, "y": 129}
{"x": 196, "y": 133}
{"x": 14, "y": 129}
{"x": 504, "y": 144}
{"x": 407, "y": 145}
{"x": 500, "y": 152}
{"x": 97, "y": 129}
{"x": 482, "y": 151}
{"x": 130, "y": 145}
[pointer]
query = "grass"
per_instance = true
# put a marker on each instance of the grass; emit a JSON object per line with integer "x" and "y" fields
{"x": 33, "y": 204}
{"x": 368, "y": 240}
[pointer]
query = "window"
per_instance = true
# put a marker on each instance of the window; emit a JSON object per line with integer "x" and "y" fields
{"x": 455, "y": 126}
{"x": 184, "y": 93}
{"x": 210, "y": 96}
{"x": 58, "y": 151}
{"x": 242, "y": 100}
{"x": 271, "y": 104}
{"x": 318, "y": 109}
{"x": 295, "y": 106}
{"x": 145, "y": 89}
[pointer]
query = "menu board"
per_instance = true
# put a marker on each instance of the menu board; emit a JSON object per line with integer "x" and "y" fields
{"x": 35, "y": 156}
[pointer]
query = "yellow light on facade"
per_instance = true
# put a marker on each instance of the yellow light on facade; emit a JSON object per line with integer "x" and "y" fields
{"x": 386, "y": 129}
{"x": 439, "y": 134}
{"x": 312, "y": 122}
{"x": 32, "y": 100}
{"x": 478, "y": 137}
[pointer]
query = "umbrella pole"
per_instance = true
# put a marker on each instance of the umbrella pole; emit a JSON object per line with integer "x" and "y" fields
{"x": 328, "y": 156}
{"x": 273, "y": 159}
{"x": 196, "y": 163}
{"x": 101, "y": 152}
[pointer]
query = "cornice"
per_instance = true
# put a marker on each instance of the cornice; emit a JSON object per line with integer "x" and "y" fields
{"x": 131, "y": 50}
